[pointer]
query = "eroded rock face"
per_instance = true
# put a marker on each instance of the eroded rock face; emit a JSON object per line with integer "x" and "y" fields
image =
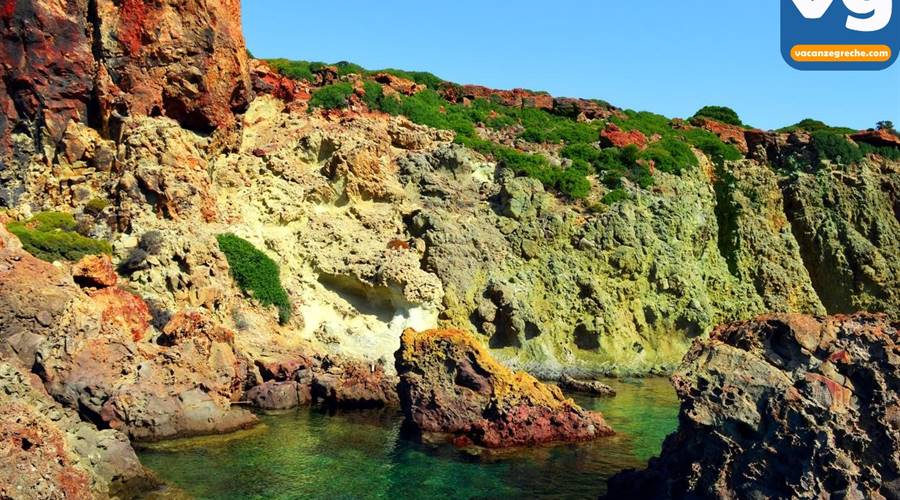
{"x": 450, "y": 388}
{"x": 48, "y": 452}
{"x": 98, "y": 64}
{"x": 92, "y": 350}
{"x": 785, "y": 406}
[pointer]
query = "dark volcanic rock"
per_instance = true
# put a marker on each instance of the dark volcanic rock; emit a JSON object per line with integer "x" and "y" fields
{"x": 785, "y": 406}
{"x": 451, "y": 389}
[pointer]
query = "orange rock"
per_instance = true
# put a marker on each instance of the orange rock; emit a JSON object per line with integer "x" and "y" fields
{"x": 613, "y": 136}
{"x": 122, "y": 312}
{"x": 401, "y": 85}
{"x": 452, "y": 389}
{"x": 192, "y": 324}
{"x": 730, "y": 134}
{"x": 95, "y": 271}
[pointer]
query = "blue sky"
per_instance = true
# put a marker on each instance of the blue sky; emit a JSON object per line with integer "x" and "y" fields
{"x": 670, "y": 57}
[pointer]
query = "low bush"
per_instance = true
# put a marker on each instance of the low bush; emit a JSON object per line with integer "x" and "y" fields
{"x": 720, "y": 113}
{"x": 51, "y": 236}
{"x": 95, "y": 206}
{"x": 615, "y": 196}
{"x": 810, "y": 125}
{"x": 335, "y": 96}
{"x": 256, "y": 274}
{"x": 835, "y": 147}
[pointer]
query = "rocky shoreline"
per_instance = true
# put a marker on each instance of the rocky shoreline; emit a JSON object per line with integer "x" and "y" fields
{"x": 413, "y": 271}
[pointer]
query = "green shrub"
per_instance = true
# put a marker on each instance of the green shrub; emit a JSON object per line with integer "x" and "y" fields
{"x": 711, "y": 145}
{"x": 335, "y": 96}
{"x": 298, "y": 70}
{"x": 421, "y": 77}
{"x": 256, "y": 274}
{"x": 810, "y": 125}
{"x": 615, "y": 196}
{"x": 835, "y": 147}
{"x": 670, "y": 155}
{"x": 95, "y": 206}
{"x": 720, "y": 113}
{"x": 374, "y": 94}
{"x": 51, "y": 236}
{"x": 888, "y": 152}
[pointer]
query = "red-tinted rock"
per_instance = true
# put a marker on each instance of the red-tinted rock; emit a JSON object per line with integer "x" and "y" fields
{"x": 784, "y": 406}
{"x": 451, "y": 389}
{"x": 613, "y": 136}
{"x": 517, "y": 98}
{"x": 730, "y": 134}
{"x": 397, "y": 84}
{"x": 123, "y": 311}
{"x": 582, "y": 109}
{"x": 191, "y": 325}
{"x": 881, "y": 138}
{"x": 95, "y": 271}
{"x": 97, "y": 61}
{"x": 268, "y": 81}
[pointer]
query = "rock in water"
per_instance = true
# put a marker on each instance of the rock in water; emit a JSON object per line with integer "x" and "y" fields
{"x": 786, "y": 406}
{"x": 451, "y": 389}
{"x": 593, "y": 387}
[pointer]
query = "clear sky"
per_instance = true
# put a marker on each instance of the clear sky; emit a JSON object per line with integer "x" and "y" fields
{"x": 670, "y": 57}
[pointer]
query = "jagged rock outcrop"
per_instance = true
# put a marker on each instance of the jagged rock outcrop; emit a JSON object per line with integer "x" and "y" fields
{"x": 98, "y": 63}
{"x": 785, "y": 406}
{"x": 451, "y": 389}
{"x": 49, "y": 452}
{"x": 93, "y": 353}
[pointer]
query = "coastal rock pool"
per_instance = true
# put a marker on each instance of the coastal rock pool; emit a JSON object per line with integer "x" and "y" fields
{"x": 312, "y": 454}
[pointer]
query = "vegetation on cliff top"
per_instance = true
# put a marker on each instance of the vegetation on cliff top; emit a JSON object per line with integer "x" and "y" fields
{"x": 52, "y": 236}
{"x": 256, "y": 274}
{"x": 669, "y": 150}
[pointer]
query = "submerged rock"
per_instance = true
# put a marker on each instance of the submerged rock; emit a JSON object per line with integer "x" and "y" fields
{"x": 785, "y": 406}
{"x": 451, "y": 389}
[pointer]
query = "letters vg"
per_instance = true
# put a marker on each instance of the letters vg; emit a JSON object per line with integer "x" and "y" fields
{"x": 878, "y": 11}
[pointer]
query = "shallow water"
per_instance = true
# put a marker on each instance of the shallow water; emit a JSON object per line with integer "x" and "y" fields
{"x": 309, "y": 454}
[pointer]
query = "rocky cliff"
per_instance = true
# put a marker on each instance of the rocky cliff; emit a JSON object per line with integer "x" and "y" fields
{"x": 142, "y": 130}
{"x": 783, "y": 406}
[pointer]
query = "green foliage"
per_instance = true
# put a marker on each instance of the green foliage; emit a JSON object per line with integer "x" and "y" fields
{"x": 298, "y": 70}
{"x": 810, "y": 125}
{"x": 256, "y": 274}
{"x": 887, "y": 152}
{"x": 51, "y": 236}
{"x": 616, "y": 164}
{"x": 835, "y": 147}
{"x": 421, "y": 77}
{"x": 670, "y": 155}
{"x": 335, "y": 96}
{"x": 374, "y": 94}
{"x": 95, "y": 206}
{"x": 615, "y": 196}
{"x": 720, "y": 113}
{"x": 711, "y": 145}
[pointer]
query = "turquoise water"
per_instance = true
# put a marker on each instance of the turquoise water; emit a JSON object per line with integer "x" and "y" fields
{"x": 310, "y": 454}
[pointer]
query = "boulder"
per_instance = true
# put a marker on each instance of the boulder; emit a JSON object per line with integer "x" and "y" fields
{"x": 95, "y": 271}
{"x": 784, "y": 406}
{"x": 452, "y": 390}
